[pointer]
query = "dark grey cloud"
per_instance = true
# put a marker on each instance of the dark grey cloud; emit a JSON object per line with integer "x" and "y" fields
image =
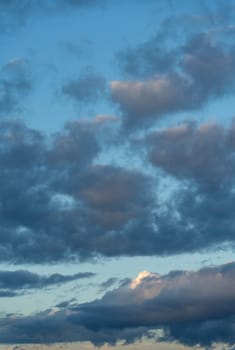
{"x": 12, "y": 281}
{"x": 88, "y": 88}
{"x": 57, "y": 328}
{"x": 203, "y": 333}
{"x": 199, "y": 220}
{"x": 112, "y": 195}
{"x": 15, "y": 85}
{"x": 203, "y": 153}
{"x": 199, "y": 70}
{"x": 76, "y": 146}
{"x": 57, "y": 203}
{"x": 190, "y": 307}
{"x": 152, "y": 300}
{"x": 8, "y": 294}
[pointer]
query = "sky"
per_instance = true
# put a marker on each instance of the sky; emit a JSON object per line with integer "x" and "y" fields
{"x": 117, "y": 174}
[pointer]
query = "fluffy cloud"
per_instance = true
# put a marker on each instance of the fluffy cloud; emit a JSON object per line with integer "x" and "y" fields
{"x": 204, "y": 153}
{"x": 190, "y": 307}
{"x": 55, "y": 203}
{"x": 147, "y": 59}
{"x": 143, "y": 99}
{"x": 59, "y": 203}
{"x": 204, "y": 69}
{"x": 113, "y": 195}
{"x": 151, "y": 299}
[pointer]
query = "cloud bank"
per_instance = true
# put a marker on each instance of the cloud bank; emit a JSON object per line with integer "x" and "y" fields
{"x": 58, "y": 203}
{"x": 193, "y": 308}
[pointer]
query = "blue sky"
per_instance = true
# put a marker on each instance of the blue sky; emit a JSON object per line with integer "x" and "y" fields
{"x": 117, "y": 174}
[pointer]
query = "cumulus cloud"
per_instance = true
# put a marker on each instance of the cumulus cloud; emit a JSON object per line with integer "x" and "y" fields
{"x": 58, "y": 203}
{"x": 204, "y": 153}
{"x": 55, "y": 203}
{"x": 150, "y": 299}
{"x": 147, "y": 59}
{"x": 190, "y": 307}
{"x": 113, "y": 195}
{"x": 204, "y": 69}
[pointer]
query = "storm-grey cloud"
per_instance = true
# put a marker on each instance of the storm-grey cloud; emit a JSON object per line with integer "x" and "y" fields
{"x": 189, "y": 307}
{"x": 22, "y": 279}
{"x": 58, "y": 204}
{"x": 55, "y": 204}
{"x": 203, "y": 153}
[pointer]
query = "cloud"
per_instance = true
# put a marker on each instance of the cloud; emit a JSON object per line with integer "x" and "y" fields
{"x": 147, "y": 59}
{"x": 141, "y": 100}
{"x": 15, "y": 85}
{"x": 14, "y": 13}
{"x": 203, "y": 153}
{"x": 150, "y": 299}
{"x": 50, "y": 189}
{"x": 200, "y": 220}
{"x": 110, "y": 282}
{"x": 87, "y": 89}
{"x": 113, "y": 196}
{"x": 24, "y": 280}
{"x": 162, "y": 52}
{"x": 7, "y": 294}
{"x": 203, "y": 71}
{"x": 189, "y": 307}
{"x": 56, "y": 328}
{"x": 75, "y": 146}
{"x": 59, "y": 203}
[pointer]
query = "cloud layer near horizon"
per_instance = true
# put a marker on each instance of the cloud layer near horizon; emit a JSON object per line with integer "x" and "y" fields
{"x": 193, "y": 308}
